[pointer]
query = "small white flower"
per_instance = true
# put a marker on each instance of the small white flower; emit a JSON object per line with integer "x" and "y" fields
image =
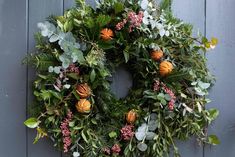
{"x": 67, "y": 86}
{"x": 76, "y": 154}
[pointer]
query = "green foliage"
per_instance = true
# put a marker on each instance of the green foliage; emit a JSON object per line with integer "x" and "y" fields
{"x": 32, "y": 122}
{"x": 166, "y": 5}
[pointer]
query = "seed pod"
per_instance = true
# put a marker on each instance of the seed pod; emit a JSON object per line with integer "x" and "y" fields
{"x": 83, "y": 90}
{"x": 131, "y": 116}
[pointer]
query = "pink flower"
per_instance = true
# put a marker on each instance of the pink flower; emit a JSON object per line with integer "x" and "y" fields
{"x": 134, "y": 19}
{"x": 120, "y": 25}
{"x": 116, "y": 149}
{"x": 171, "y": 94}
{"x": 73, "y": 69}
{"x": 64, "y": 126}
{"x": 127, "y": 132}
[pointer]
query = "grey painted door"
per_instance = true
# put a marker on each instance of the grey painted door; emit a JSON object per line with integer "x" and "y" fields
{"x": 18, "y": 19}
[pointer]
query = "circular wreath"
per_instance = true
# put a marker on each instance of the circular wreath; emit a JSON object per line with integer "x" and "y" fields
{"x": 77, "y": 53}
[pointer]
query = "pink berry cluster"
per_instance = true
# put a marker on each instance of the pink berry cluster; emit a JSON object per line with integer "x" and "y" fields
{"x": 64, "y": 126}
{"x": 134, "y": 19}
{"x": 127, "y": 132}
{"x": 73, "y": 69}
{"x": 156, "y": 87}
{"x": 116, "y": 149}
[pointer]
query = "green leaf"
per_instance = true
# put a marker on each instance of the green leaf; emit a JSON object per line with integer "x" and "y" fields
{"x": 126, "y": 55}
{"x": 74, "y": 76}
{"x": 213, "y": 139}
{"x": 118, "y": 7}
{"x": 213, "y": 113}
{"x": 103, "y": 20}
{"x": 92, "y": 75}
{"x": 84, "y": 137}
{"x": 113, "y": 134}
{"x": 32, "y": 122}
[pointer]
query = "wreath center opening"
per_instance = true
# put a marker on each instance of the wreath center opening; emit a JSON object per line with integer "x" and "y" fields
{"x": 121, "y": 82}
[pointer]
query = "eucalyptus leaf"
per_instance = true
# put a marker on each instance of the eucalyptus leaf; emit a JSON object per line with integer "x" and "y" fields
{"x": 142, "y": 146}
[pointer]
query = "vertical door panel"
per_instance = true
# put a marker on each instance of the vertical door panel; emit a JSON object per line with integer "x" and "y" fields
{"x": 12, "y": 78}
{"x": 221, "y": 24}
{"x": 38, "y": 11}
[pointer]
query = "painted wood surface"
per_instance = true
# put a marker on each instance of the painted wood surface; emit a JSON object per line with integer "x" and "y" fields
{"x": 18, "y": 23}
{"x": 221, "y": 23}
{"x": 12, "y": 78}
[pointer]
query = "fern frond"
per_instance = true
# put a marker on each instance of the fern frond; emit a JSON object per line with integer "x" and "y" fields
{"x": 41, "y": 61}
{"x": 166, "y": 5}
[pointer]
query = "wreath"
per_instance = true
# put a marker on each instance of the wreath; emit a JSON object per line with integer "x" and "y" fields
{"x": 77, "y": 53}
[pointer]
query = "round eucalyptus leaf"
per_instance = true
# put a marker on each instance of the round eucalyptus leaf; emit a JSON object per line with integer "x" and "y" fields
{"x": 142, "y": 147}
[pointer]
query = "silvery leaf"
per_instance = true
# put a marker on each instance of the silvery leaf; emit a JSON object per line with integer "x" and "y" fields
{"x": 203, "y": 85}
{"x": 143, "y": 127}
{"x": 162, "y": 32}
{"x": 47, "y": 29}
{"x": 152, "y": 125}
{"x": 144, "y": 4}
{"x": 76, "y": 154}
{"x": 146, "y": 20}
{"x": 153, "y": 116}
{"x": 54, "y": 38}
{"x": 150, "y": 135}
{"x": 57, "y": 69}
{"x": 142, "y": 147}
{"x": 50, "y": 69}
{"x": 141, "y": 132}
{"x": 140, "y": 135}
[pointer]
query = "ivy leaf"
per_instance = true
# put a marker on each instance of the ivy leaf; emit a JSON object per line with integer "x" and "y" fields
{"x": 32, "y": 122}
{"x": 213, "y": 139}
